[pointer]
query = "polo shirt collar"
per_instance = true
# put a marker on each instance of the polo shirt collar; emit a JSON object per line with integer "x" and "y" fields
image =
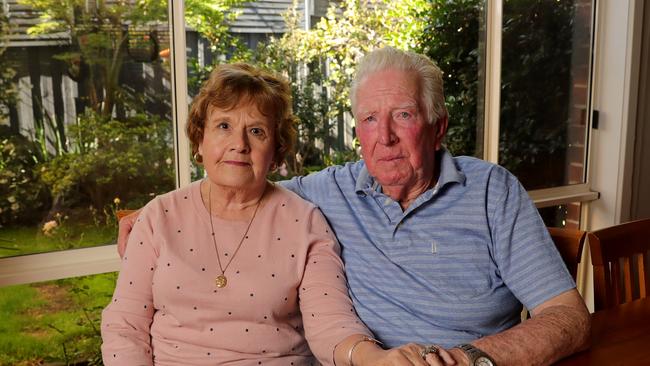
{"x": 449, "y": 173}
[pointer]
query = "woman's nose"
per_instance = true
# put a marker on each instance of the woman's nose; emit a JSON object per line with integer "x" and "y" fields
{"x": 240, "y": 142}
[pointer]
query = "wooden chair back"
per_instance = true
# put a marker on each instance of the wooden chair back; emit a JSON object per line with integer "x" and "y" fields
{"x": 121, "y": 213}
{"x": 569, "y": 242}
{"x": 620, "y": 258}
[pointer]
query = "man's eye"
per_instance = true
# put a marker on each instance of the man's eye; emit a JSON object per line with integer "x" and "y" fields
{"x": 404, "y": 115}
{"x": 369, "y": 119}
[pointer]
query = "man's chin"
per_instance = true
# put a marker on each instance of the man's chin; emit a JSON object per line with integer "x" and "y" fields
{"x": 388, "y": 180}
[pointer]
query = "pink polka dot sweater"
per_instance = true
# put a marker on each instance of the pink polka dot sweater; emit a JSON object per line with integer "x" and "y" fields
{"x": 285, "y": 287}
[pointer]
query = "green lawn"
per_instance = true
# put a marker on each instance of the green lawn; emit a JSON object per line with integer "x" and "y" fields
{"x": 28, "y": 240}
{"x": 54, "y": 322}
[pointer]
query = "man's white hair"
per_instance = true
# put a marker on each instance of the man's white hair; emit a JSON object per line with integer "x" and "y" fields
{"x": 432, "y": 96}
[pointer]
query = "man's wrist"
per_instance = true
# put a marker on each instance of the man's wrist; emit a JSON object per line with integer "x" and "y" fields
{"x": 475, "y": 356}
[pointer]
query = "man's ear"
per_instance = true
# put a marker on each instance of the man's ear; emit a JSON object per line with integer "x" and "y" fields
{"x": 440, "y": 130}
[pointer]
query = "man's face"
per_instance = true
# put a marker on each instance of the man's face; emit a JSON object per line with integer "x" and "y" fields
{"x": 397, "y": 143}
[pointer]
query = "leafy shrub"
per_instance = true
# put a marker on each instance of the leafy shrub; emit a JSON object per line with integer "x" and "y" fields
{"x": 23, "y": 195}
{"x": 129, "y": 159}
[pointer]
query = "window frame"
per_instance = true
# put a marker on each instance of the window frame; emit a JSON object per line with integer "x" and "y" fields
{"x": 87, "y": 261}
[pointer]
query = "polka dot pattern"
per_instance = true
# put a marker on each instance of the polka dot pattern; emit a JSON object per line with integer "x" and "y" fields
{"x": 279, "y": 273}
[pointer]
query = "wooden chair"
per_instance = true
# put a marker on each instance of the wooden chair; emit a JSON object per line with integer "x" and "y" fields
{"x": 620, "y": 258}
{"x": 569, "y": 243}
{"x": 121, "y": 213}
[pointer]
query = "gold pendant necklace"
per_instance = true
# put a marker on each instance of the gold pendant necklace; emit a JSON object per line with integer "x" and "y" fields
{"x": 221, "y": 281}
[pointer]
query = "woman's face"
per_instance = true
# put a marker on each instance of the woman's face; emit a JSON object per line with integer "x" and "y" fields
{"x": 238, "y": 146}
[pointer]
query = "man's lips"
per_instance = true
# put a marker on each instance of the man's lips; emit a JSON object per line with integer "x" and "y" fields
{"x": 388, "y": 159}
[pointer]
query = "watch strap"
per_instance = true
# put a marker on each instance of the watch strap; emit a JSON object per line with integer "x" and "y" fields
{"x": 474, "y": 353}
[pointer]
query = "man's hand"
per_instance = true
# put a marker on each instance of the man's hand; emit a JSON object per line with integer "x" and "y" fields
{"x": 408, "y": 355}
{"x": 451, "y": 357}
{"x": 125, "y": 225}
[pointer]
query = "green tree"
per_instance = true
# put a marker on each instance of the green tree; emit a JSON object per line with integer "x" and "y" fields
{"x": 7, "y": 73}
{"x": 100, "y": 38}
{"x": 535, "y": 80}
{"x": 536, "y": 89}
{"x": 211, "y": 20}
{"x": 451, "y": 39}
{"x": 321, "y": 61}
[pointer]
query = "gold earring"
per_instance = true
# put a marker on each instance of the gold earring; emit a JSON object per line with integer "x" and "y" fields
{"x": 197, "y": 157}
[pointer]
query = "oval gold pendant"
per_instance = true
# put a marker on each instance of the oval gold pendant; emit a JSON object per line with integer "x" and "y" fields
{"x": 221, "y": 281}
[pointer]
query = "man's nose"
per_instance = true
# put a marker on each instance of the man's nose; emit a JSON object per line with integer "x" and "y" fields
{"x": 386, "y": 134}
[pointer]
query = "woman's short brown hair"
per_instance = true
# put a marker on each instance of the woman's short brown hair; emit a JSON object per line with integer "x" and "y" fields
{"x": 229, "y": 85}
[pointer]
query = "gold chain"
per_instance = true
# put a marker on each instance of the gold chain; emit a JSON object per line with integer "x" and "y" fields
{"x": 222, "y": 280}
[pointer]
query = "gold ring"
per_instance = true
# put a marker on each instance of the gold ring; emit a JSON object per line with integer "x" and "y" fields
{"x": 429, "y": 349}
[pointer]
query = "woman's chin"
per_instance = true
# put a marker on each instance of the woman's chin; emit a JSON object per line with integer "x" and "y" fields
{"x": 239, "y": 181}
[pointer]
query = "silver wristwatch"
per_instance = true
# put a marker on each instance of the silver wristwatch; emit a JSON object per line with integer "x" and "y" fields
{"x": 476, "y": 356}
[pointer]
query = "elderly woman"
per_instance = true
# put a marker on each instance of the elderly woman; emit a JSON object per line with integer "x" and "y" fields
{"x": 233, "y": 269}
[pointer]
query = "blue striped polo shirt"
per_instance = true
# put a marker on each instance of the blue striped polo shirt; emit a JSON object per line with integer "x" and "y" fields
{"x": 457, "y": 265}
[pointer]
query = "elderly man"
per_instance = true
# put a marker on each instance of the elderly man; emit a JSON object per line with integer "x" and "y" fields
{"x": 438, "y": 249}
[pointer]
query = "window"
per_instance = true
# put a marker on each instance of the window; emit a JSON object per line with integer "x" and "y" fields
{"x": 87, "y": 128}
{"x": 544, "y": 91}
{"x": 517, "y": 79}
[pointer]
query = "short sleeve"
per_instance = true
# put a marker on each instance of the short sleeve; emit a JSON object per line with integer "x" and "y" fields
{"x": 526, "y": 257}
{"x": 313, "y": 187}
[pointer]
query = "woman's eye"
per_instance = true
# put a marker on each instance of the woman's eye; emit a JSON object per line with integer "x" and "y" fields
{"x": 223, "y": 126}
{"x": 256, "y": 131}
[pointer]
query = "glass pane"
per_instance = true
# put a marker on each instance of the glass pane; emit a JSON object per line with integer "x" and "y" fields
{"x": 85, "y": 119}
{"x": 566, "y": 216}
{"x": 55, "y": 322}
{"x": 454, "y": 38}
{"x": 318, "y": 49}
{"x": 544, "y": 90}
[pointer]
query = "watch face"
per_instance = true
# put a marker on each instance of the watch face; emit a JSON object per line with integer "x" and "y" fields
{"x": 483, "y": 361}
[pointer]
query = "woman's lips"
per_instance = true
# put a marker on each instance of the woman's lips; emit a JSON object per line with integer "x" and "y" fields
{"x": 237, "y": 163}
